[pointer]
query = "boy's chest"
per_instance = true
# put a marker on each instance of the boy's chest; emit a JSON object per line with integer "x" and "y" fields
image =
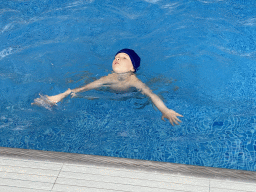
{"x": 118, "y": 83}
{"x": 120, "y": 86}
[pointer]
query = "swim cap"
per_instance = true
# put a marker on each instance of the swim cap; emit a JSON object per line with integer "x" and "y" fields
{"x": 133, "y": 56}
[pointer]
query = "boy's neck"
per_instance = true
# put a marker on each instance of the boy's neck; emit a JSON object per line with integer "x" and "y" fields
{"x": 128, "y": 72}
{"x": 123, "y": 76}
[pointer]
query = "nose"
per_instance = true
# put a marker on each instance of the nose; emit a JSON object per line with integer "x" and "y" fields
{"x": 117, "y": 58}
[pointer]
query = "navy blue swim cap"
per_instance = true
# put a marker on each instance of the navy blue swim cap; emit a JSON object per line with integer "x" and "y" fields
{"x": 133, "y": 56}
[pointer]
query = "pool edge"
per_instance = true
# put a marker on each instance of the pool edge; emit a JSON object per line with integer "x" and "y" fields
{"x": 132, "y": 164}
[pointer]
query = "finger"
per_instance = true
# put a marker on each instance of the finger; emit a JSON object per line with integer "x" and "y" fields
{"x": 177, "y": 114}
{"x": 171, "y": 122}
{"x": 178, "y": 120}
{"x": 35, "y": 103}
{"x": 163, "y": 118}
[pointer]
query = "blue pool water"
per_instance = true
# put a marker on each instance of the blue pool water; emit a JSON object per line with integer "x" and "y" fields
{"x": 198, "y": 55}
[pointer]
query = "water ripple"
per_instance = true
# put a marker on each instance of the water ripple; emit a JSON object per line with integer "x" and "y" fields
{"x": 6, "y": 52}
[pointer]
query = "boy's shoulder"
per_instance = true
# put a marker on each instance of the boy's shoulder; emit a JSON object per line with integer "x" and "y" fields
{"x": 107, "y": 77}
{"x": 135, "y": 80}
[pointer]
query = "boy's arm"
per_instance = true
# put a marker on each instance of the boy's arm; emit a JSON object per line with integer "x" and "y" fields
{"x": 93, "y": 85}
{"x": 167, "y": 113}
{"x": 57, "y": 98}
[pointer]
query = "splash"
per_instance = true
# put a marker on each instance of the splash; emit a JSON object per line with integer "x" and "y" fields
{"x": 152, "y": 1}
{"x": 6, "y": 52}
{"x": 250, "y": 22}
{"x": 43, "y": 101}
{"x": 210, "y": 1}
{"x": 7, "y": 27}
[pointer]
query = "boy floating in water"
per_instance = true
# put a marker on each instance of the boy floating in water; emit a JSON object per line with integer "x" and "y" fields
{"x": 123, "y": 79}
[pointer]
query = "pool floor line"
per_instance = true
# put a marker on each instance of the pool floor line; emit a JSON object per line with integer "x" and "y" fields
{"x": 132, "y": 164}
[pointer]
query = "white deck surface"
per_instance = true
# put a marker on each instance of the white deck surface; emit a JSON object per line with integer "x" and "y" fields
{"x": 21, "y": 175}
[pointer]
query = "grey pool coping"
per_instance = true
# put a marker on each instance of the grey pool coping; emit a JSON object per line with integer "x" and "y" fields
{"x": 132, "y": 164}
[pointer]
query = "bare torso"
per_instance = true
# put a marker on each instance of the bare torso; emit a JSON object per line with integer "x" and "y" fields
{"x": 120, "y": 82}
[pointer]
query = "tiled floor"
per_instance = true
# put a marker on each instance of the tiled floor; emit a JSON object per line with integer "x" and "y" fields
{"x": 23, "y": 175}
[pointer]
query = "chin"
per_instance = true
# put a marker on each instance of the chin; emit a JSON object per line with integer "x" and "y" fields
{"x": 119, "y": 71}
{"x": 116, "y": 70}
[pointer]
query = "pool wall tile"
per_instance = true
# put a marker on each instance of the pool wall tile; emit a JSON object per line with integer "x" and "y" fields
{"x": 27, "y": 170}
{"x": 19, "y": 189}
{"x": 231, "y": 185}
{"x": 26, "y": 184}
{"x": 224, "y": 190}
{"x": 77, "y": 172}
{"x": 81, "y": 179}
{"x": 70, "y": 171}
{"x": 29, "y": 177}
{"x": 31, "y": 164}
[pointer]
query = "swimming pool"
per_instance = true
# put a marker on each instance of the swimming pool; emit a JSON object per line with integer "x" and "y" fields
{"x": 199, "y": 55}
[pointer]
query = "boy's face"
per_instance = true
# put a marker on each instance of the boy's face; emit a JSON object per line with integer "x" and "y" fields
{"x": 122, "y": 63}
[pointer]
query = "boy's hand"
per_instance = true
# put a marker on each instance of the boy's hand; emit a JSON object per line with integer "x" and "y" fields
{"x": 172, "y": 116}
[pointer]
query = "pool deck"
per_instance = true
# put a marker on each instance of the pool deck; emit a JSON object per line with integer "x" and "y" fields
{"x": 25, "y": 170}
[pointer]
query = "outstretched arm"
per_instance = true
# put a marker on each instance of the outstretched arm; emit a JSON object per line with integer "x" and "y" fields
{"x": 166, "y": 113}
{"x": 93, "y": 85}
{"x": 53, "y": 100}
{"x": 57, "y": 98}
